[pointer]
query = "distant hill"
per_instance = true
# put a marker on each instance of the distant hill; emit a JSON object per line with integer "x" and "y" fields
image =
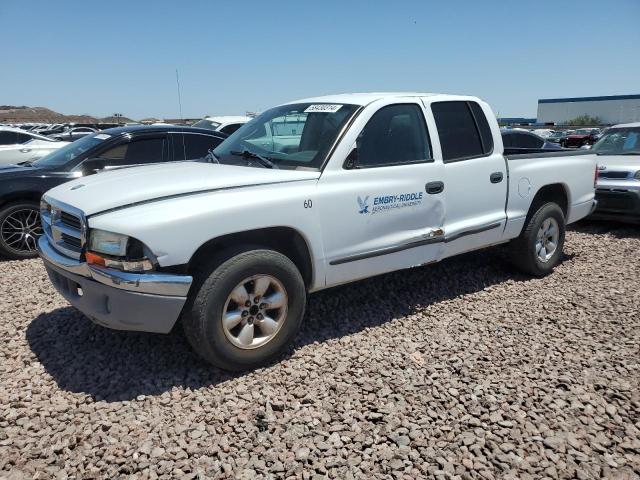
{"x": 23, "y": 114}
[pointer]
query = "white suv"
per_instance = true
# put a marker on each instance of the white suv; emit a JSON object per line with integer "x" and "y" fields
{"x": 225, "y": 124}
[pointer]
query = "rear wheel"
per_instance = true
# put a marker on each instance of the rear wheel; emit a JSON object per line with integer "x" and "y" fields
{"x": 538, "y": 249}
{"x": 20, "y": 229}
{"x": 246, "y": 310}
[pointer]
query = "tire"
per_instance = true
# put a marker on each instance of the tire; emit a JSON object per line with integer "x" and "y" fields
{"x": 19, "y": 230}
{"x": 525, "y": 250}
{"x": 217, "y": 297}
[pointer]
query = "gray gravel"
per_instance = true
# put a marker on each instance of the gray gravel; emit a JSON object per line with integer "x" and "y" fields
{"x": 459, "y": 370}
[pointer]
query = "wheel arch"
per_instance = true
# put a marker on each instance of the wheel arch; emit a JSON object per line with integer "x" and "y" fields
{"x": 285, "y": 240}
{"x": 555, "y": 192}
{"x": 28, "y": 196}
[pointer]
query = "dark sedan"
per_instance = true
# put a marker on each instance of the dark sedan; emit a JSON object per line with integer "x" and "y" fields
{"x": 21, "y": 186}
{"x": 522, "y": 141}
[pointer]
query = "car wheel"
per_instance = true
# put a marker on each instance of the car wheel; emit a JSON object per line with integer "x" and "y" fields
{"x": 539, "y": 247}
{"x": 246, "y": 310}
{"x": 20, "y": 229}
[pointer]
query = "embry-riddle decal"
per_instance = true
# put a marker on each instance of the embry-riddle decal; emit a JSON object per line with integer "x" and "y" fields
{"x": 386, "y": 203}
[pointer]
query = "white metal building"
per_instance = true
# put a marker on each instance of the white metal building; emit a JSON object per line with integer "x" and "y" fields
{"x": 610, "y": 110}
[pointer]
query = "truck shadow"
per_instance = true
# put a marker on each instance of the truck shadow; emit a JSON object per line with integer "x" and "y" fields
{"x": 115, "y": 366}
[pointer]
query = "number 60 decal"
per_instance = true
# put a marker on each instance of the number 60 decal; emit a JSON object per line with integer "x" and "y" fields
{"x": 308, "y": 203}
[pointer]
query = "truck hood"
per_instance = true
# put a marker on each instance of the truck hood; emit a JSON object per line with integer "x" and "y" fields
{"x": 127, "y": 186}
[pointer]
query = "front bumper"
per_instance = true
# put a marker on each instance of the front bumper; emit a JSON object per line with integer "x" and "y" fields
{"x": 148, "y": 302}
{"x": 618, "y": 204}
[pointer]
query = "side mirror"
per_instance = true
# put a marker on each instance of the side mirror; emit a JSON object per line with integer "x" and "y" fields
{"x": 352, "y": 159}
{"x": 92, "y": 165}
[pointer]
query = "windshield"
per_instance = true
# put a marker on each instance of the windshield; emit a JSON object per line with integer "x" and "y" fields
{"x": 290, "y": 136}
{"x": 68, "y": 153}
{"x": 619, "y": 141}
{"x": 204, "y": 123}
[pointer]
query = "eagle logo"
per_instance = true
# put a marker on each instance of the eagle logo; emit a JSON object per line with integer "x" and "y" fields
{"x": 364, "y": 208}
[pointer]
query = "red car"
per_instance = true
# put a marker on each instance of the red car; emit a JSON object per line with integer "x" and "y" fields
{"x": 581, "y": 137}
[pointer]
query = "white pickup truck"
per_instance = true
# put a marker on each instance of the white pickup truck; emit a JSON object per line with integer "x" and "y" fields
{"x": 308, "y": 195}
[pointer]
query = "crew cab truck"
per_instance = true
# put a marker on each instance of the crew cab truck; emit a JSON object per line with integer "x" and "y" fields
{"x": 360, "y": 185}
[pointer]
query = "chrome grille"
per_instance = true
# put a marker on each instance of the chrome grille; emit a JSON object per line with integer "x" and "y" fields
{"x": 64, "y": 226}
{"x": 70, "y": 220}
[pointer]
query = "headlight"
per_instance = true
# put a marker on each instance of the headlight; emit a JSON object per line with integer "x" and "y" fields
{"x": 637, "y": 175}
{"x": 108, "y": 243}
{"x": 119, "y": 251}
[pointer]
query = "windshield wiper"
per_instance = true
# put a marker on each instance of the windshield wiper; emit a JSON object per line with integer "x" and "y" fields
{"x": 248, "y": 154}
{"x": 210, "y": 157}
{"x": 25, "y": 163}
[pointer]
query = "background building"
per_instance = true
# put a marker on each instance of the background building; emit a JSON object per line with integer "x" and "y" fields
{"x": 610, "y": 110}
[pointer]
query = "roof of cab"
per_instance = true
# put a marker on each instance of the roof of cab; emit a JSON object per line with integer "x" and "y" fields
{"x": 367, "y": 98}
{"x": 627, "y": 125}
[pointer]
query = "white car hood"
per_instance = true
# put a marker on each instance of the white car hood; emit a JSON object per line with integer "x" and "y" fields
{"x": 126, "y": 186}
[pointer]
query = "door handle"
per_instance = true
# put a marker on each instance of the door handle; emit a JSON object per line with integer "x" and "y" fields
{"x": 434, "y": 187}
{"x": 496, "y": 177}
{"x": 25, "y": 150}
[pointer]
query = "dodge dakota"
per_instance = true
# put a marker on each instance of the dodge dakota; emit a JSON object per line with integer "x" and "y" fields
{"x": 308, "y": 195}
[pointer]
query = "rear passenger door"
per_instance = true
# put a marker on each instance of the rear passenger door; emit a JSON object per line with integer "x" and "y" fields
{"x": 475, "y": 176}
{"x": 192, "y": 146}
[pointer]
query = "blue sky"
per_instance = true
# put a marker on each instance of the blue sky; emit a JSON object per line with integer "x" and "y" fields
{"x": 120, "y": 56}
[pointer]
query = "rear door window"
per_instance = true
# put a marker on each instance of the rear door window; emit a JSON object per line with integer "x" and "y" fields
{"x": 457, "y": 130}
{"x": 137, "y": 151}
{"x": 483, "y": 127}
{"x": 8, "y": 138}
{"x": 192, "y": 146}
{"x": 526, "y": 140}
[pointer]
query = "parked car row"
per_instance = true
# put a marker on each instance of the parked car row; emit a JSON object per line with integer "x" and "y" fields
{"x": 228, "y": 235}
{"x": 18, "y": 146}
{"x": 571, "y": 138}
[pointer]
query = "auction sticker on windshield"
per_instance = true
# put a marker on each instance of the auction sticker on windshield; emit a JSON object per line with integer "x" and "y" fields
{"x": 323, "y": 108}
{"x": 102, "y": 136}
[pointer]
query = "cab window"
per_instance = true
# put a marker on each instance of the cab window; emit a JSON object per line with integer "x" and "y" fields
{"x": 395, "y": 135}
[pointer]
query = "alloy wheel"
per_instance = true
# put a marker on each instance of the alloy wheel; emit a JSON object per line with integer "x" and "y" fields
{"x": 21, "y": 229}
{"x": 547, "y": 239}
{"x": 255, "y": 311}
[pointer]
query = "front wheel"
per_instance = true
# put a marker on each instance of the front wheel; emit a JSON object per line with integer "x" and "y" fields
{"x": 539, "y": 247}
{"x": 246, "y": 310}
{"x": 19, "y": 230}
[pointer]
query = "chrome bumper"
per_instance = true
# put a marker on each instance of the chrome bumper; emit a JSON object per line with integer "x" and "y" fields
{"x": 150, "y": 283}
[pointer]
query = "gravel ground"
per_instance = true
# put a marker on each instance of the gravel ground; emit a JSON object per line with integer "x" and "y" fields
{"x": 458, "y": 370}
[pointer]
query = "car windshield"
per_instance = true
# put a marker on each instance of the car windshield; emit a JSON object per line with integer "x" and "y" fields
{"x": 67, "y": 154}
{"x": 583, "y": 132}
{"x": 204, "y": 123}
{"x": 289, "y": 136}
{"x": 619, "y": 141}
